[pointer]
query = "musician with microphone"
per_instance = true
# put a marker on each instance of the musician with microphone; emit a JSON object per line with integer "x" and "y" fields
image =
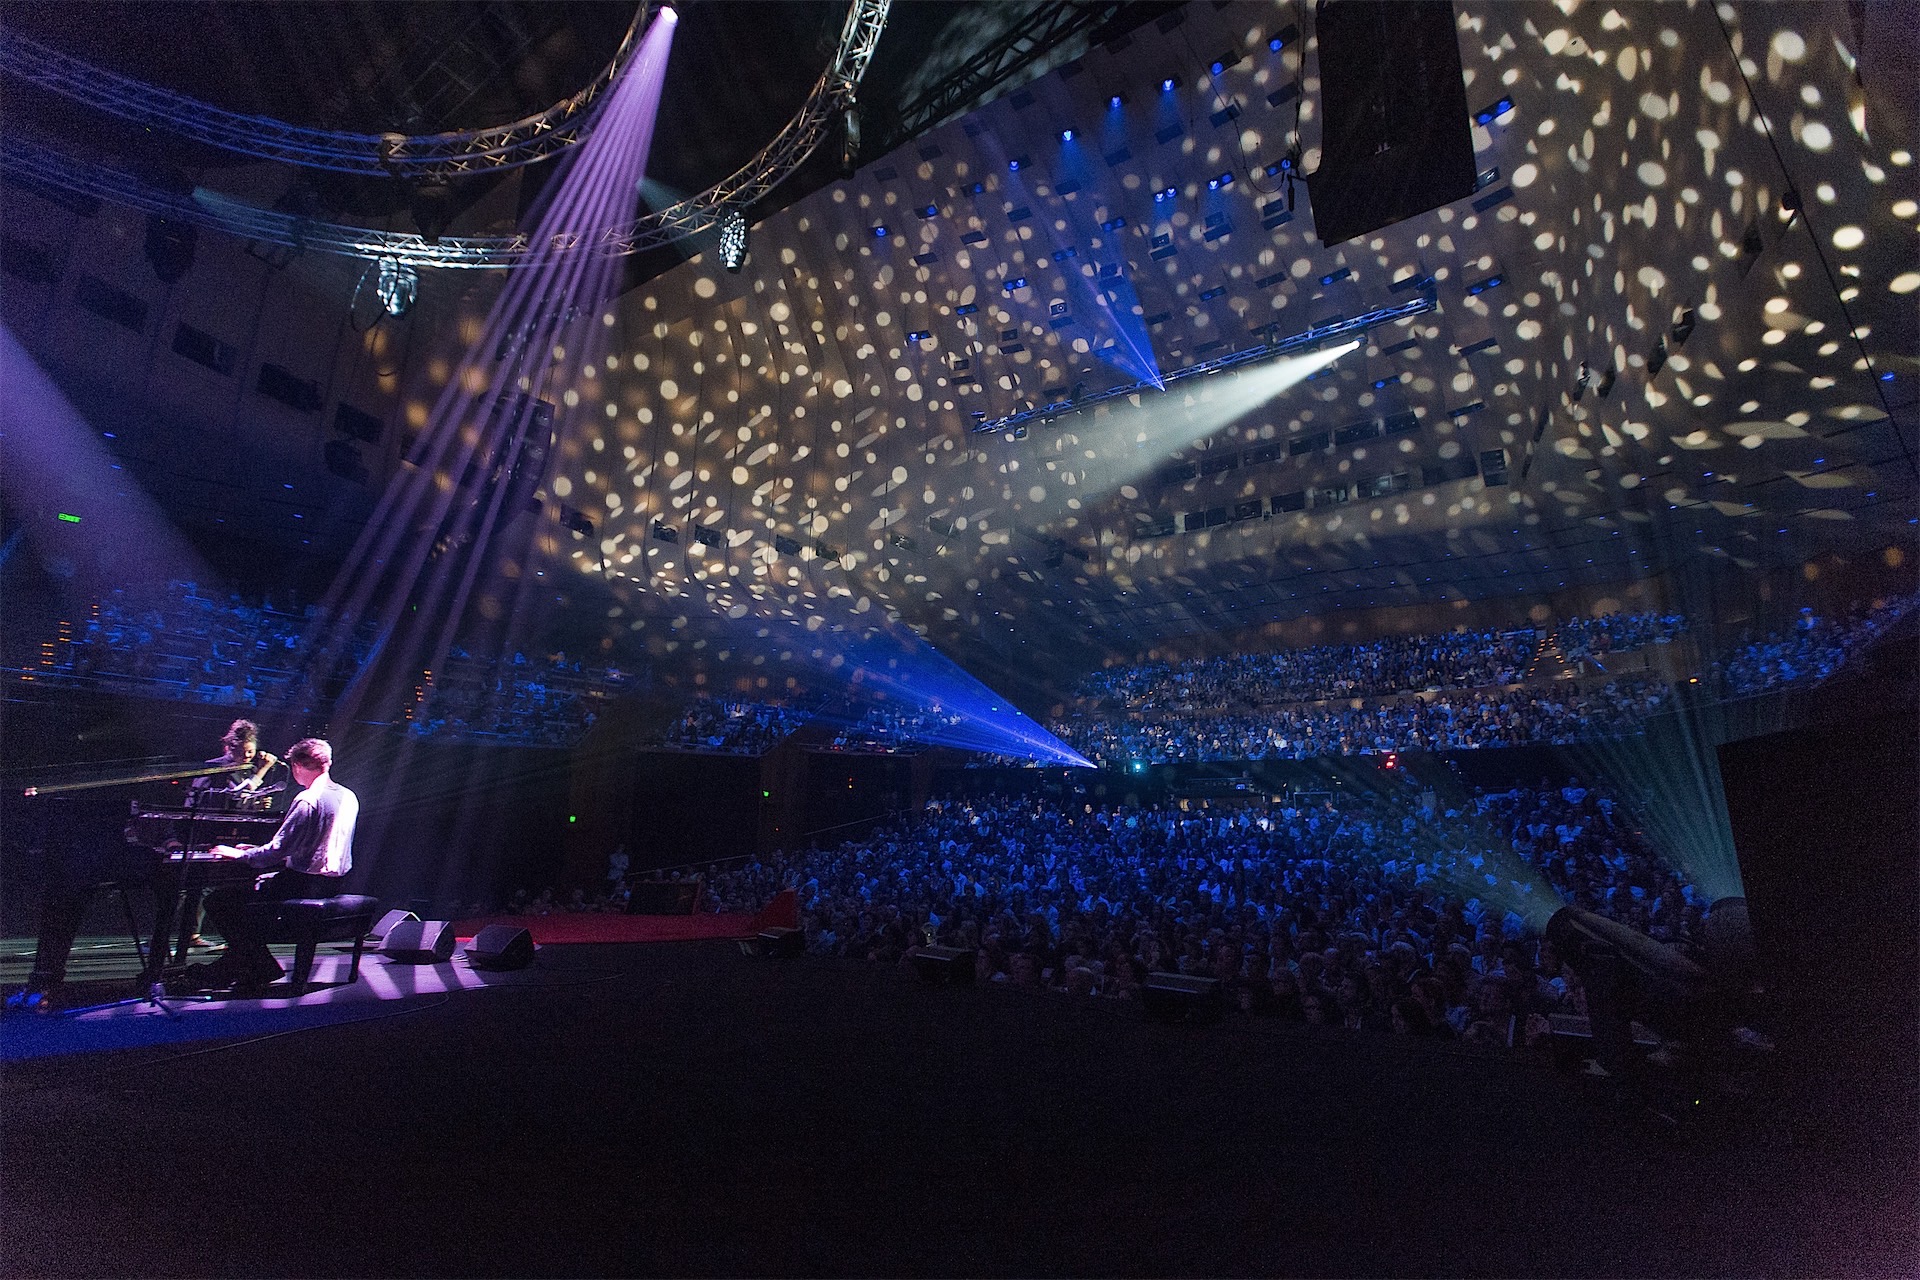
{"x": 307, "y": 857}
{"x": 135, "y": 866}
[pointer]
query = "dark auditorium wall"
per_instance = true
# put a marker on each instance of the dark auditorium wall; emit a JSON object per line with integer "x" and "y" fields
{"x": 1826, "y": 821}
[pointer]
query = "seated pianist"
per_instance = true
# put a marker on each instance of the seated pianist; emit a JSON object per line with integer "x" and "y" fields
{"x": 307, "y": 858}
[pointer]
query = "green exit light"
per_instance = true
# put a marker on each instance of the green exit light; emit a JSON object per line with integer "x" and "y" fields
{"x": 573, "y": 817}
{"x": 69, "y": 517}
{"x": 766, "y": 795}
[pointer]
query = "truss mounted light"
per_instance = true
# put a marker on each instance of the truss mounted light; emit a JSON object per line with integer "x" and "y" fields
{"x": 733, "y": 240}
{"x": 1014, "y": 425}
{"x": 396, "y": 286}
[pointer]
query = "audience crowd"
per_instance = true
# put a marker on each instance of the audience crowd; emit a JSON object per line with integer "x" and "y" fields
{"x": 185, "y": 643}
{"x": 1579, "y": 638}
{"x": 1444, "y": 722}
{"x": 1811, "y": 650}
{"x": 1463, "y": 660}
{"x": 732, "y": 726}
{"x": 544, "y": 701}
{"x": 1375, "y": 911}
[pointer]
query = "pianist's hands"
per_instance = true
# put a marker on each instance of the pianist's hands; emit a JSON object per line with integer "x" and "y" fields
{"x": 228, "y": 851}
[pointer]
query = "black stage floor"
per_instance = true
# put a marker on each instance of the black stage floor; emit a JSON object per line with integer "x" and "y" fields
{"x": 688, "y": 1110}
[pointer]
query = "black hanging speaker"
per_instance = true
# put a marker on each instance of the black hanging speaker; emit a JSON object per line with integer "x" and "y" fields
{"x": 1396, "y": 140}
{"x": 419, "y": 942}
{"x": 501, "y": 946}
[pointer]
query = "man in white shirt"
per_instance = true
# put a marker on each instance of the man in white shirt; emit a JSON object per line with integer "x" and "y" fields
{"x": 307, "y": 857}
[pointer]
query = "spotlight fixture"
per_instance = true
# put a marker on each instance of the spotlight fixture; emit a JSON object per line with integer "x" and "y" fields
{"x": 169, "y": 247}
{"x": 1683, "y": 327}
{"x": 1657, "y": 359}
{"x": 1017, "y": 163}
{"x": 733, "y": 240}
{"x": 850, "y": 139}
{"x": 1606, "y": 382}
{"x": 1222, "y": 180}
{"x": 1166, "y": 86}
{"x": 1580, "y": 383}
{"x": 1487, "y": 115}
{"x": 1066, "y": 135}
{"x": 919, "y": 335}
{"x": 397, "y": 285}
{"x": 1117, "y": 101}
{"x": 1165, "y": 193}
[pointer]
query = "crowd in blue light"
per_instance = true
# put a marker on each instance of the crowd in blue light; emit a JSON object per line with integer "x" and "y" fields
{"x": 731, "y": 726}
{"x": 1372, "y": 911}
{"x": 544, "y": 700}
{"x": 185, "y": 642}
{"x": 1474, "y": 688}
{"x": 1446, "y": 722}
{"x": 1597, "y": 638}
{"x": 1811, "y": 650}
{"x": 1464, "y": 660}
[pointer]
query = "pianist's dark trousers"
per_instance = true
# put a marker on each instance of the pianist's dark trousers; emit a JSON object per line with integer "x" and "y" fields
{"x": 244, "y": 914}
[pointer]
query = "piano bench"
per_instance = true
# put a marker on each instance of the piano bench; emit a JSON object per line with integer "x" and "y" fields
{"x": 308, "y": 922}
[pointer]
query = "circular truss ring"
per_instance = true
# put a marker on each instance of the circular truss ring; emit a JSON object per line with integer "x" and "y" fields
{"x": 427, "y": 157}
{"x": 773, "y": 164}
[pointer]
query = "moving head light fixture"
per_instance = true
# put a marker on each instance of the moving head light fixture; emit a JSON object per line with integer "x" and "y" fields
{"x": 1271, "y": 349}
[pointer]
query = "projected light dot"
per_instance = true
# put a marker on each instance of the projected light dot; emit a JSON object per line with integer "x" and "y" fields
{"x": 1849, "y": 237}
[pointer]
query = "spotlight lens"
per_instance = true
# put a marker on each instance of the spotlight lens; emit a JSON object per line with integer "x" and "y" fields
{"x": 1167, "y": 85}
{"x": 1066, "y": 135}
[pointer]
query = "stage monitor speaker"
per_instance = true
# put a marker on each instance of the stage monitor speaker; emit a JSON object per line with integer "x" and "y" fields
{"x": 945, "y": 966}
{"x": 501, "y": 946}
{"x": 1396, "y": 140}
{"x": 419, "y": 942}
{"x": 1171, "y": 997}
{"x": 384, "y": 925}
{"x": 1825, "y": 825}
{"x": 781, "y": 943}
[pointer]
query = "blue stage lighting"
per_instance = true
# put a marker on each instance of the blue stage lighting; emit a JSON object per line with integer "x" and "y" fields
{"x": 1165, "y": 193}
{"x": 1276, "y": 44}
{"x": 1166, "y": 86}
{"x": 880, "y": 233}
{"x": 1487, "y": 115}
{"x": 1066, "y": 135}
{"x": 1117, "y": 101}
{"x": 1217, "y": 67}
{"x": 1887, "y": 376}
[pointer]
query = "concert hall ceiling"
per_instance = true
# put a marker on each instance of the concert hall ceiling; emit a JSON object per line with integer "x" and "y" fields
{"x": 807, "y": 447}
{"x": 1675, "y": 323}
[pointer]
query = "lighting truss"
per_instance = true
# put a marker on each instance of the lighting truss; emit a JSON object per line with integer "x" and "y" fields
{"x": 859, "y": 37}
{"x": 431, "y": 157}
{"x": 1237, "y": 360}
